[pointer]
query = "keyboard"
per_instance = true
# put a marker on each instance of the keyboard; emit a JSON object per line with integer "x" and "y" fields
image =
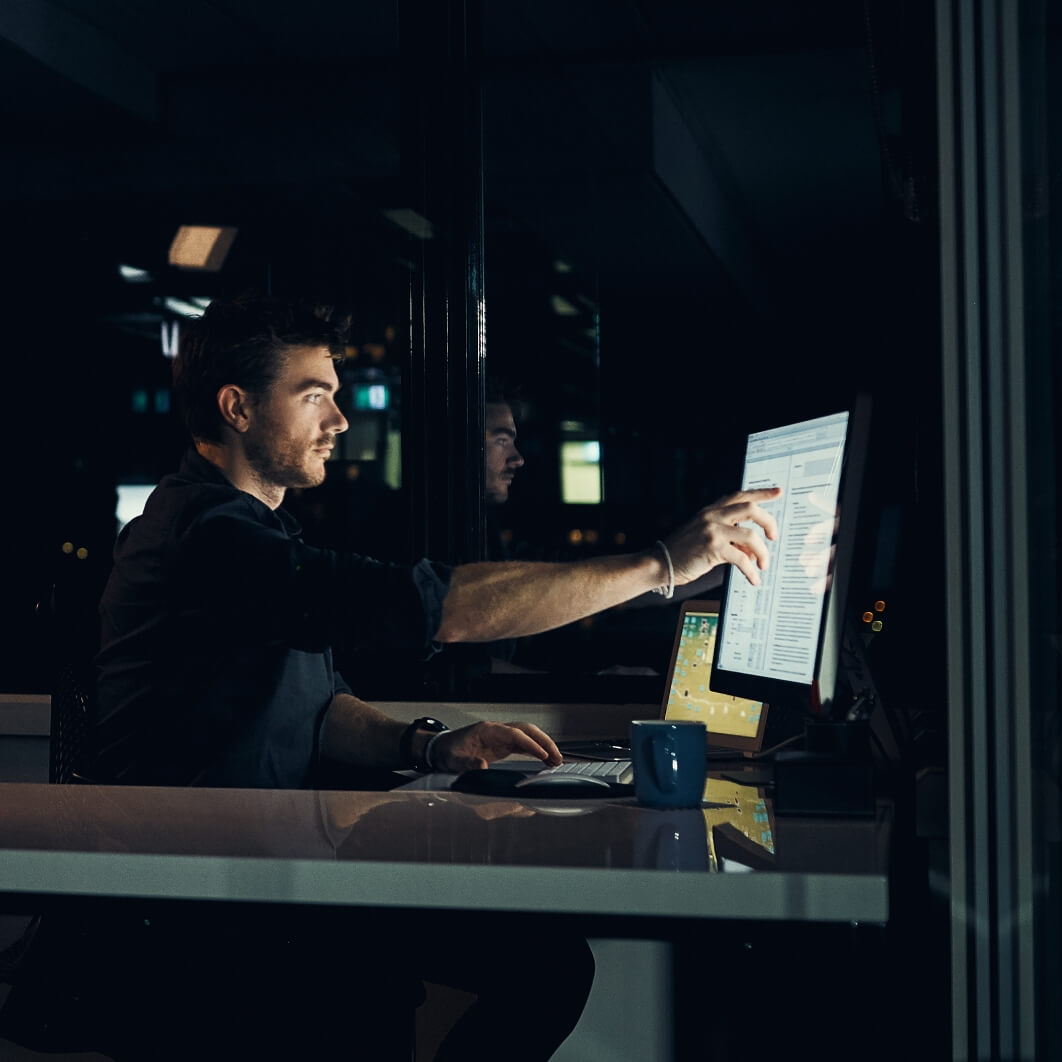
{"x": 616, "y": 772}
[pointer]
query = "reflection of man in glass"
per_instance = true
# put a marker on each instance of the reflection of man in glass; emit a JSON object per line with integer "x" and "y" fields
{"x": 501, "y": 458}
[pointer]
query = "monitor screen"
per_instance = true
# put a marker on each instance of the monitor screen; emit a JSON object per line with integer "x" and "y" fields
{"x": 132, "y": 497}
{"x": 781, "y": 640}
{"x": 740, "y": 826}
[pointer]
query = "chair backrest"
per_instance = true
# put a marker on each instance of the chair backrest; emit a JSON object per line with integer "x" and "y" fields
{"x": 73, "y": 701}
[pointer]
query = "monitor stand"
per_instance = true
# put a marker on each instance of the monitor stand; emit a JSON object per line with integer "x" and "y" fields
{"x": 832, "y": 775}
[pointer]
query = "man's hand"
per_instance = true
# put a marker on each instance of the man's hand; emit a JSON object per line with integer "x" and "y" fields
{"x": 715, "y": 536}
{"x": 480, "y": 744}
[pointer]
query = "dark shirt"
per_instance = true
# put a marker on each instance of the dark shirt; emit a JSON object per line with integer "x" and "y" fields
{"x": 215, "y": 665}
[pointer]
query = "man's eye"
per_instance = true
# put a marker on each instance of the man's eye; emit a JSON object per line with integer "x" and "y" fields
{"x": 315, "y": 399}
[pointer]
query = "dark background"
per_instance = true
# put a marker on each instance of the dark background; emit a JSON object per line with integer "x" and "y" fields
{"x": 736, "y": 206}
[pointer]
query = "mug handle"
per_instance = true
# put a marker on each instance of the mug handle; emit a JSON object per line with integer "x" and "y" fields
{"x": 665, "y": 763}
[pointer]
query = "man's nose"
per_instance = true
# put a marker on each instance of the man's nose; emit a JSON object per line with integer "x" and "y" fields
{"x": 339, "y": 421}
{"x": 515, "y": 458}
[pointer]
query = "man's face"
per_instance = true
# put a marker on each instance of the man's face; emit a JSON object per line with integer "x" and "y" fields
{"x": 502, "y": 456}
{"x": 294, "y": 425}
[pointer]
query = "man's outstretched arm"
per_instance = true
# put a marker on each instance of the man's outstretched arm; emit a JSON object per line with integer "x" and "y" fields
{"x": 511, "y": 599}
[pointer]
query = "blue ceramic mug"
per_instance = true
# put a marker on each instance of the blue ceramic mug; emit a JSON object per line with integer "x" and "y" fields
{"x": 670, "y": 762}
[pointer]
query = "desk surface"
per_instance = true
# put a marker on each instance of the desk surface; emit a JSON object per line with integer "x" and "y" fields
{"x": 430, "y": 850}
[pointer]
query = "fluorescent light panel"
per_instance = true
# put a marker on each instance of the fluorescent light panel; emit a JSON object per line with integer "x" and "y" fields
{"x": 201, "y": 247}
{"x": 415, "y": 224}
{"x": 133, "y": 275}
{"x": 184, "y": 307}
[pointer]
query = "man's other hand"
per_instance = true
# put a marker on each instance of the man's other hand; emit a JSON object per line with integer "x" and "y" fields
{"x": 716, "y": 535}
{"x": 479, "y": 745}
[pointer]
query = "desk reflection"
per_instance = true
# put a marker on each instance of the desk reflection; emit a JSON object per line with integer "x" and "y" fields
{"x": 432, "y": 850}
{"x": 434, "y": 827}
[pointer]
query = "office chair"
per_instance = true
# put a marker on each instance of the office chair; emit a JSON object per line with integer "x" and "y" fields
{"x": 73, "y": 686}
{"x": 31, "y": 1022}
{"x": 73, "y": 699}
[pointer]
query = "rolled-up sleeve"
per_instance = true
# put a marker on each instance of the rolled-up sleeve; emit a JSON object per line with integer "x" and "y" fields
{"x": 260, "y": 580}
{"x": 372, "y": 604}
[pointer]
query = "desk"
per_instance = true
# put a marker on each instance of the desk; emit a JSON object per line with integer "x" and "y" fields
{"x": 593, "y": 862}
{"x": 417, "y": 849}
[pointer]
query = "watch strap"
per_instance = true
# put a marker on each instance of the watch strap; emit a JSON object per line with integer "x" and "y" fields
{"x": 405, "y": 742}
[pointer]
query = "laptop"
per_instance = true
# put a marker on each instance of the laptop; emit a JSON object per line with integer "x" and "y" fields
{"x": 735, "y": 726}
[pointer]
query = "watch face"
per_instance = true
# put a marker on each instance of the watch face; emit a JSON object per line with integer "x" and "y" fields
{"x": 427, "y": 723}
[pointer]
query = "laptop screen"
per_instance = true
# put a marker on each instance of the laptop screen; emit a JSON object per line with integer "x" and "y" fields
{"x": 732, "y": 722}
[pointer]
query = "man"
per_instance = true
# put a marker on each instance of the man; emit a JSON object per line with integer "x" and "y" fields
{"x": 217, "y": 623}
{"x": 217, "y": 620}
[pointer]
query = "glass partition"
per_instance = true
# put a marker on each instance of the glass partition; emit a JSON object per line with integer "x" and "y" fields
{"x": 700, "y": 224}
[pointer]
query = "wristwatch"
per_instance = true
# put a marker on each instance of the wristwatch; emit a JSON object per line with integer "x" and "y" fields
{"x": 405, "y": 743}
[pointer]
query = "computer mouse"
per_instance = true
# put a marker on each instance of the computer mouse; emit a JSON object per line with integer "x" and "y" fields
{"x": 488, "y": 781}
{"x": 561, "y": 785}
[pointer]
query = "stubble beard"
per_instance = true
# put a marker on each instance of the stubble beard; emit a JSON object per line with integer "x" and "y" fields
{"x": 284, "y": 466}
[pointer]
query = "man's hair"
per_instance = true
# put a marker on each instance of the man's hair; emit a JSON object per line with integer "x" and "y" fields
{"x": 243, "y": 340}
{"x": 501, "y": 392}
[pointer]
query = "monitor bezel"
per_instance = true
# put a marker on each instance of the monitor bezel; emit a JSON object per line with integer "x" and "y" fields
{"x": 819, "y": 696}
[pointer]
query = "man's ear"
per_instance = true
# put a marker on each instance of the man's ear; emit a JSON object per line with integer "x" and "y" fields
{"x": 235, "y": 406}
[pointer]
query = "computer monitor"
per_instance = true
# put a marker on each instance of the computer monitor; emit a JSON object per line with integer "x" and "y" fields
{"x": 781, "y": 641}
{"x": 132, "y": 497}
{"x": 734, "y": 724}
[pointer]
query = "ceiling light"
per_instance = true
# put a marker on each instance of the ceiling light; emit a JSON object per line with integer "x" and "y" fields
{"x": 201, "y": 247}
{"x": 183, "y": 307}
{"x": 562, "y": 307}
{"x": 415, "y": 224}
{"x": 132, "y": 275}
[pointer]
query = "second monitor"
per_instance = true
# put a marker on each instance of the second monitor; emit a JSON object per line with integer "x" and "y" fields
{"x": 733, "y": 723}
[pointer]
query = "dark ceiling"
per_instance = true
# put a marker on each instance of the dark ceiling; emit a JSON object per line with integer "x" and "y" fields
{"x": 729, "y": 184}
{"x": 707, "y": 171}
{"x": 709, "y": 139}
